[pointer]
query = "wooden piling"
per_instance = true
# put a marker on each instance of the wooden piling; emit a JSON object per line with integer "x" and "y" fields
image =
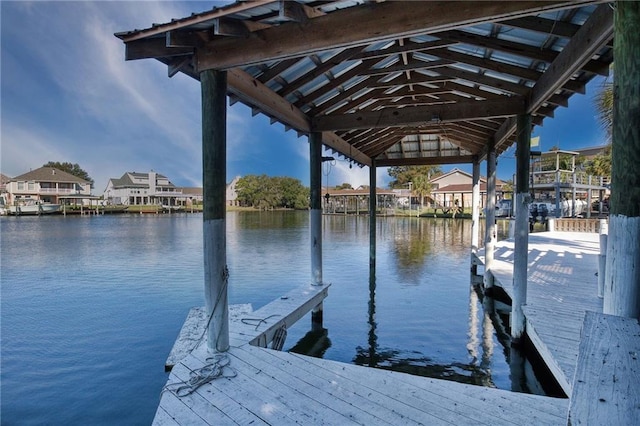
{"x": 475, "y": 215}
{"x": 622, "y": 278}
{"x": 521, "y": 238}
{"x": 602, "y": 257}
{"x": 315, "y": 219}
{"x": 490, "y": 228}
{"x": 214, "y": 170}
{"x": 372, "y": 218}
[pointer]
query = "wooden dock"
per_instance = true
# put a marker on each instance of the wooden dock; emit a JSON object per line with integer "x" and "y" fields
{"x": 266, "y": 386}
{"x": 595, "y": 357}
{"x": 562, "y": 285}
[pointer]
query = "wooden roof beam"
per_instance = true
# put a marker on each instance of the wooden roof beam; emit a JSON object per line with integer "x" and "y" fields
{"x": 408, "y": 47}
{"x": 424, "y": 161}
{"x": 236, "y": 27}
{"x": 334, "y": 141}
{"x": 543, "y": 25}
{"x": 257, "y": 95}
{"x": 411, "y": 66}
{"x": 298, "y": 12}
{"x": 420, "y": 115}
{"x": 154, "y": 48}
{"x": 362, "y": 25}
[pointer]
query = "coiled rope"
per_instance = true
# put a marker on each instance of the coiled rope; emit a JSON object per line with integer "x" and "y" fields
{"x": 216, "y": 367}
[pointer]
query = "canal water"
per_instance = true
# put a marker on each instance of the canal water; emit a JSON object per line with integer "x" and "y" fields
{"x": 92, "y": 305}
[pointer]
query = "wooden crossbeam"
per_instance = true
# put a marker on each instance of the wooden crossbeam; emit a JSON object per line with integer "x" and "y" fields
{"x": 256, "y": 94}
{"x": 420, "y": 115}
{"x": 362, "y": 25}
{"x": 424, "y": 161}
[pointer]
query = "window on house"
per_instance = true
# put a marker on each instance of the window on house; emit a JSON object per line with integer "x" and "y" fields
{"x": 20, "y": 186}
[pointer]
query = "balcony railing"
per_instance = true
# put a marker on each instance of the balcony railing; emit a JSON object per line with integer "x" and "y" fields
{"x": 50, "y": 191}
{"x": 567, "y": 177}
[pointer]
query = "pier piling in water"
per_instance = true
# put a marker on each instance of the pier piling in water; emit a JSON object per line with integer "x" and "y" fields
{"x": 214, "y": 174}
{"x": 521, "y": 239}
{"x": 490, "y": 228}
{"x": 315, "y": 219}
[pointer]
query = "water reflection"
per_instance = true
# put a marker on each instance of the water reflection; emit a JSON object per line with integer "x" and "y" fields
{"x": 315, "y": 343}
{"x": 413, "y": 362}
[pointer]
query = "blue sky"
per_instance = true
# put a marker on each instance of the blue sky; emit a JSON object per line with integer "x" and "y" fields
{"x": 67, "y": 94}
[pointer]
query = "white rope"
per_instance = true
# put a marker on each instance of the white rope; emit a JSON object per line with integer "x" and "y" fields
{"x": 215, "y": 368}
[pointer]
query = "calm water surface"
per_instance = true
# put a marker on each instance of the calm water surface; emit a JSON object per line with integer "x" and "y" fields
{"x": 92, "y": 305}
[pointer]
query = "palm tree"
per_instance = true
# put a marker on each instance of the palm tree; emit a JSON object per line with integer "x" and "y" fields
{"x": 422, "y": 186}
{"x": 604, "y": 107}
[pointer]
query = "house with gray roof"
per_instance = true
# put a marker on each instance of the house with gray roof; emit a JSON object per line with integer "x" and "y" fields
{"x": 135, "y": 188}
{"x": 46, "y": 184}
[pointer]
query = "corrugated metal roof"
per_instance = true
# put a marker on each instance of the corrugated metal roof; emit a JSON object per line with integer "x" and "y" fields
{"x": 445, "y": 75}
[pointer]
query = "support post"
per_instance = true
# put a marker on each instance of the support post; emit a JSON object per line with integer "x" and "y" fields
{"x": 622, "y": 278}
{"x": 521, "y": 239}
{"x": 475, "y": 215}
{"x": 214, "y": 173}
{"x": 559, "y": 204}
{"x": 602, "y": 257}
{"x": 589, "y": 199}
{"x": 315, "y": 219}
{"x": 372, "y": 218}
{"x": 490, "y": 227}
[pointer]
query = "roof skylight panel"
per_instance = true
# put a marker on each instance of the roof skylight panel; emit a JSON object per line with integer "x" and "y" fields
{"x": 424, "y": 56}
{"x": 520, "y": 36}
{"x": 300, "y": 68}
{"x": 503, "y": 77}
{"x": 466, "y": 67}
{"x": 507, "y": 58}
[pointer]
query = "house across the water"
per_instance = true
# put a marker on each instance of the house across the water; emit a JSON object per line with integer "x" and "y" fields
{"x": 46, "y": 184}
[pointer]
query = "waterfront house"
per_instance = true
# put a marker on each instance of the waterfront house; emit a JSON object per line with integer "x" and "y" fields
{"x": 458, "y": 185}
{"x": 135, "y": 188}
{"x": 47, "y": 184}
{"x": 231, "y": 193}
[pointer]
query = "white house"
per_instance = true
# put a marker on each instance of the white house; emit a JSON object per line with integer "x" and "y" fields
{"x": 232, "y": 194}
{"x": 47, "y": 184}
{"x": 142, "y": 188}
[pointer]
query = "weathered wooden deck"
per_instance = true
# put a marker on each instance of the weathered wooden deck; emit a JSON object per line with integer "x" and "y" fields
{"x": 605, "y": 391}
{"x": 273, "y": 387}
{"x": 562, "y": 285}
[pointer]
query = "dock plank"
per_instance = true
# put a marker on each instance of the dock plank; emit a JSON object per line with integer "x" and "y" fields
{"x": 608, "y": 374}
{"x": 458, "y": 403}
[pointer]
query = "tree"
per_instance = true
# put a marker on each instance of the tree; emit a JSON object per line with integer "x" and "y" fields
{"x": 600, "y": 165}
{"x": 507, "y": 189}
{"x": 404, "y": 174}
{"x": 422, "y": 187}
{"x": 604, "y": 108}
{"x": 265, "y": 192}
{"x": 345, "y": 185}
{"x": 70, "y": 168}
